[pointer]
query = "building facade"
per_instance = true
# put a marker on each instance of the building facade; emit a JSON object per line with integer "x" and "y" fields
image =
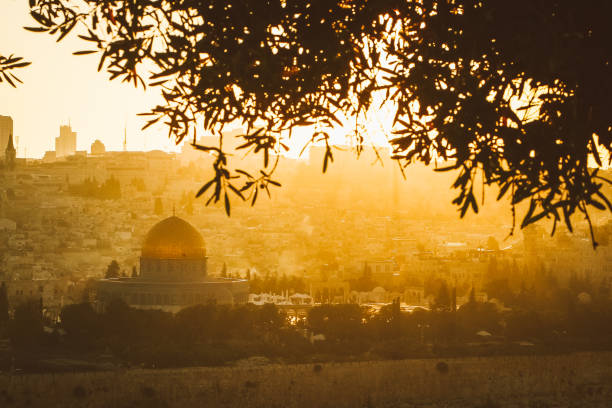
{"x": 65, "y": 144}
{"x": 98, "y": 148}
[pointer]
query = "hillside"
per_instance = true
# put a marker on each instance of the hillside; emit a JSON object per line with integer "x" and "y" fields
{"x": 577, "y": 380}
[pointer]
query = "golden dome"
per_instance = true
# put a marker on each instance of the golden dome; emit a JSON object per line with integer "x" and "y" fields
{"x": 173, "y": 238}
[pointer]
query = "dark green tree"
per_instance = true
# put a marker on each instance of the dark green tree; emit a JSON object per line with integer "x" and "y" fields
{"x": 472, "y": 298}
{"x": 81, "y": 323}
{"x": 492, "y": 244}
{"x": 189, "y": 207}
{"x": 158, "y": 208}
{"x": 139, "y": 184}
{"x": 336, "y": 322}
{"x": 500, "y": 289}
{"x": 26, "y": 328}
{"x": 112, "y": 270}
{"x": 4, "y": 305}
{"x": 110, "y": 189}
{"x": 364, "y": 283}
{"x": 442, "y": 300}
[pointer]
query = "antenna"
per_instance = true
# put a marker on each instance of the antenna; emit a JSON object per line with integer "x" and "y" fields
{"x": 125, "y": 138}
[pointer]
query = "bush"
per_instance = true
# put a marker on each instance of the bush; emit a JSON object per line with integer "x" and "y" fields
{"x": 442, "y": 367}
{"x": 79, "y": 392}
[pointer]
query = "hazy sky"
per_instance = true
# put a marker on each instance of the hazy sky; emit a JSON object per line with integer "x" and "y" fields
{"x": 59, "y": 87}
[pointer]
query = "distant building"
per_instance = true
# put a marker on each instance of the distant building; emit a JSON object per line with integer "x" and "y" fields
{"x": 98, "y": 148}
{"x": 53, "y": 294}
{"x": 49, "y": 157}
{"x": 173, "y": 273}
{"x": 6, "y": 129}
{"x": 329, "y": 291}
{"x": 381, "y": 270}
{"x": 415, "y": 295}
{"x": 7, "y": 224}
{"x": 65, "y": 144}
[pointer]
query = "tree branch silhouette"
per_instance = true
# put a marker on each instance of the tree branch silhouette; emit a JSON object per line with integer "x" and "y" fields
{"x": 518, "y": 92}
{"x": 7, "y": 66}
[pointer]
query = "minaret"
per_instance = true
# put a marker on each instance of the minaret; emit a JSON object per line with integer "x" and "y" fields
{"x": 10, "y": 154}
{"x": 125, "y": 139}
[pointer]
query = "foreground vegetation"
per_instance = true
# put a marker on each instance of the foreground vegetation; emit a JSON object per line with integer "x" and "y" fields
{"x": 212, "y": 335}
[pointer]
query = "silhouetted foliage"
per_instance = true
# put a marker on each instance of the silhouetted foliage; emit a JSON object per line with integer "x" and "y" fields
{"x": 517, "y": 93}
{"x": 139, "y": 184}
{"x": 442, "y": 367}
{"x": 271, "y": 284}
{"x": 112, "y": 270}
{"x": 364, "y": 283}
{"x": 214, "y": 334}
{"x": 4, "y": 306}
{"x": 159, "y": 207}
{"x": 492, "y": 244}
{"x": 7, "y": 66}
{"x": 499, "y": 289}
{"x": 442, "y": 300}
{"x": 472, "y": 298}
{"x": 336, "y": 322}
{"x": 476, "y": 316}
{"x": 81, "y": 323}
{"x": 109, "y": 190}
{"x": 26, "y": 328}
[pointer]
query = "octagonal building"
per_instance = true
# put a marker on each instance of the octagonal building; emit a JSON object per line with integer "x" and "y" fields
{"x": 173, "y": 273}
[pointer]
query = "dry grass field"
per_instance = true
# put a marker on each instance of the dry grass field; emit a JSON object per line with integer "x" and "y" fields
{"x": 575, "y": 380}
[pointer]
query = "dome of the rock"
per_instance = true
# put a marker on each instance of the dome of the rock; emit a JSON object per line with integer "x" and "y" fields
{"x": 173, "y": 273}
{"x": 173, "y": 238}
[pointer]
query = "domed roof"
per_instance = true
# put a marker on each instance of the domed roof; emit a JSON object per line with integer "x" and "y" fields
{"x": 173, "y": 238}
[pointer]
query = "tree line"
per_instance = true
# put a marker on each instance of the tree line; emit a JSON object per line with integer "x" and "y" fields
{"x": 91, "y": 188}
{"x": 211, "y": 334}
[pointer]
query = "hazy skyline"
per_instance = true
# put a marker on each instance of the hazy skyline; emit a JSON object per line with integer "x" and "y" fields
{"x": 59, "y": 88}
{"x": 445, "y": 240}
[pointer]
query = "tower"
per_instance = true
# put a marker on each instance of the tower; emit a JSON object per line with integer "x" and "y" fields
{"x": 65, "y": 144}
{"x": 125, "y": 139}
{"x": 10, "y": 154}
{"x": 6, "y": 128}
